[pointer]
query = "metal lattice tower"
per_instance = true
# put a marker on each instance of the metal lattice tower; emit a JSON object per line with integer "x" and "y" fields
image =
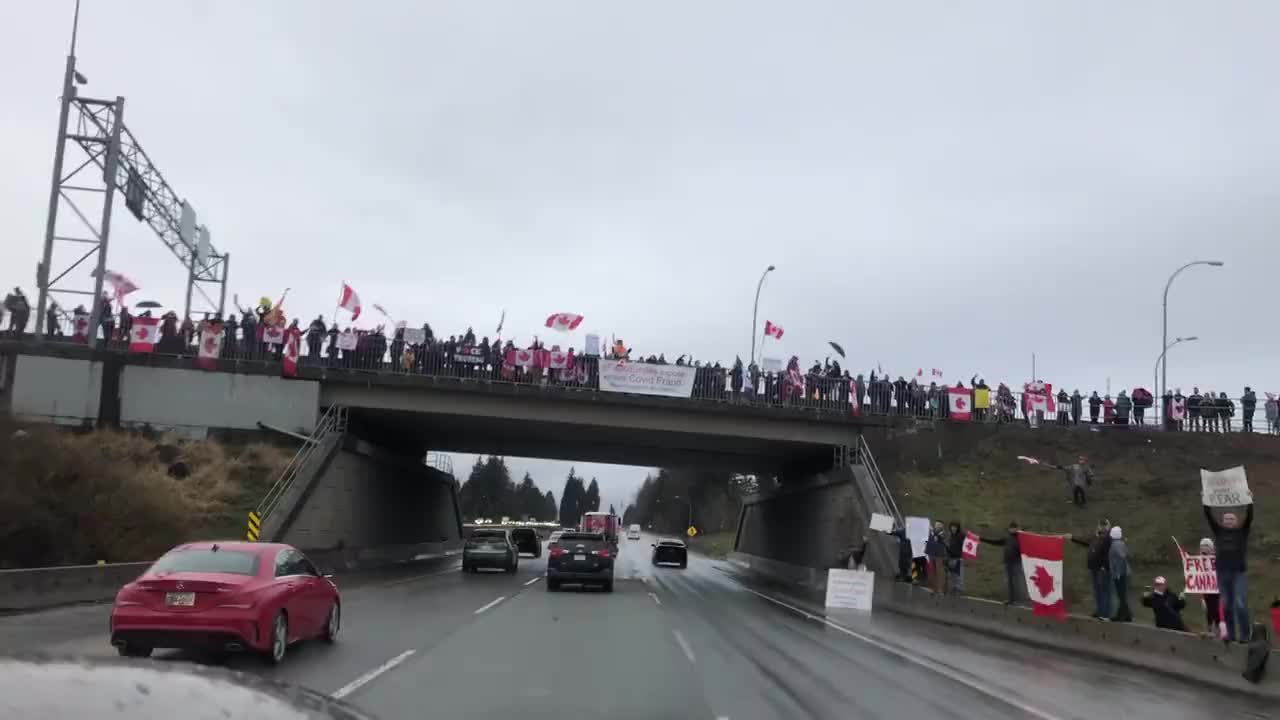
{"x": 105, "y": 156}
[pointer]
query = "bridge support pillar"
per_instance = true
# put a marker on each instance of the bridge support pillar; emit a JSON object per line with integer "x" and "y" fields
{"x": 369, "y": 497}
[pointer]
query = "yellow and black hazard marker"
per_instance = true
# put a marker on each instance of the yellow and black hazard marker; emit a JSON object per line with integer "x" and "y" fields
{"x": 255, "y": 526}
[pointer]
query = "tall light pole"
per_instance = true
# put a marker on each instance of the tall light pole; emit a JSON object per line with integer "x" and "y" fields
{"x": 755, "y": 310}
{"x": 1160, "y": 359}
{"x": 1164, "y": 332}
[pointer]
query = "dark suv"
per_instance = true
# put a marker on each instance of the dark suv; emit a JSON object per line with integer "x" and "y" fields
{"x": 489, "y": 548}
{"x": 582, "y": 558}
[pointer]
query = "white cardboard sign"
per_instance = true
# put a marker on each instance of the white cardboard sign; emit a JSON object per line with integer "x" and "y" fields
{"x": 1225, "y": 488}
{"x": 851, "y": 589}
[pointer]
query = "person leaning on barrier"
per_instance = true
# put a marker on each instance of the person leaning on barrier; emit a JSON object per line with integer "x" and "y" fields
{"x": 1166, "y": 606}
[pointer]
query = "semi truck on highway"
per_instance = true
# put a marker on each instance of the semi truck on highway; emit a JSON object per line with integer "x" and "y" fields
{"x": 604, "y": 523}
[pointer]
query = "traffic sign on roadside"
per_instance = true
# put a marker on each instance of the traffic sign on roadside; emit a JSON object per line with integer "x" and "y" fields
{"x": 692, "y": 531}
{"x": 255, "y": 525}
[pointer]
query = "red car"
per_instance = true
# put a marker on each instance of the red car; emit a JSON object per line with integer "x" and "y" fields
{"x": 226, "y": 597}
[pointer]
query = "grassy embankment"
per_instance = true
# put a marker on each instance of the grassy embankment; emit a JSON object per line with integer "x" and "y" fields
{"x": 80, "y": 497}
{"x": 715, "y": 545}
{"x": 1148, "y": 484}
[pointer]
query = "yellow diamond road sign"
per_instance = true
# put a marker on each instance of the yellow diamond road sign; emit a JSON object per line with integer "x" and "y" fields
{"x": 255, "y": 526}
{"x": 692, "y": 531}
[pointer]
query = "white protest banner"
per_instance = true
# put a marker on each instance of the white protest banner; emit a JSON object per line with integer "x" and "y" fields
{"x": 882, "y": 523}
{"x": 347, "y": 340}
{"x": 592, "y": 345}
{"x": 645, "y": 379}
{"x": 415, "y": 336}
{"x": 852, "y": 589}
{"x": 917, "y": 534}
{"x": 1200, "y": 573}
{"x": 1225, "y": 488}
{"x": 770, "y": 364}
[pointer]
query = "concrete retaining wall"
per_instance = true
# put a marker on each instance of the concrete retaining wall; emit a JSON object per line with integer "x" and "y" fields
{"x": 40, "y": 588}
{"x": 807, "y": 523}
{"x": 56, "y": 390}
{"x": 193, "y": 401}
{"x": 47, "y": 587}
{"x": 1183, "y": 655}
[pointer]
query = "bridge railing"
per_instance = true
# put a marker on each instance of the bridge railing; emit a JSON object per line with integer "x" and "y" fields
{"x": 825, "y": 395}
{"x": 334, "y": 420}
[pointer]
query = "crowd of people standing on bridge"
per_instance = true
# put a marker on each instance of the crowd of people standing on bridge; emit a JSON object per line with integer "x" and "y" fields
{"x": 824, "y": 385}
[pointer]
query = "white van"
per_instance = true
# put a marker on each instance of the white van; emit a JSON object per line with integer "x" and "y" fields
{"x": 633, "y": 532}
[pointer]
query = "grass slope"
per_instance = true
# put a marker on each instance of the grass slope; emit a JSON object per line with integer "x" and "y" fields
{"x": 80, "y": 497}
{"x": 1147, "y": 483}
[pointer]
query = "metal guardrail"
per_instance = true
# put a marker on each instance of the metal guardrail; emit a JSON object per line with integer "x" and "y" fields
{"x": 333, "y": 420}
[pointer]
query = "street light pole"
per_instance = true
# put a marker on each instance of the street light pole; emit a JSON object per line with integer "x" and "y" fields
{"x": 755, "y": 310}
{"x": 1160, "y": 359}
{"x": 1164, "y": 313}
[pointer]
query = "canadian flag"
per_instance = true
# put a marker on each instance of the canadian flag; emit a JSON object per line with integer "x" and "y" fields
{"x": 771, "y": 330}
{"x": 1042, "y": 567}
{"x": 1178, "y": 410}
{"x": 210, "y": 346}
{"x": 120, "y": 285}
{"x": 960, "y": 403}
{"x": 1038, "y": 397}
{"x": 272, "y": 335}
{"x": 564, "y": 322}
{"x": 855, "y": 402}
{"x": 350, "y": 301}
{"x": 144, "y": 334}
{"x": 289, "y": 361}
{"x": 560, "y": 360}
{"x": 80, "y": 328}
{"x": 521, "y": 357}
{"x": 970, "y": 548}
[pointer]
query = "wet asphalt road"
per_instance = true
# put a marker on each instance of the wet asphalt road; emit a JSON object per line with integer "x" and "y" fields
{"x": 667, "y": 643}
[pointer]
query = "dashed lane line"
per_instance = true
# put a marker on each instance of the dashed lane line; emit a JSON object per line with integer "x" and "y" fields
{"x": 684, "y": 645}
{"x": 482, "y": 608}
{"x": 534, "y": 580}
{"x": 655, "y": 598}
{"x": 370, "y": 676}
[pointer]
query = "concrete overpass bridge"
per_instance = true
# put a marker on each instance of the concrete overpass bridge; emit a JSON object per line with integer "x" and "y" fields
{"x": 368, "y": 430}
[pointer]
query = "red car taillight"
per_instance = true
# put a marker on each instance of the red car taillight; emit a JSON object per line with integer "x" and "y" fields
{"x": 558, "y": 551}
{"x": 601, "y": 553}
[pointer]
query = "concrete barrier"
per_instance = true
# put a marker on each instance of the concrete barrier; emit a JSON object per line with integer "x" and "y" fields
{"x": 40, "y": 588}
{"x": 1183, "y": 655}
{"x": 47, "y": 587}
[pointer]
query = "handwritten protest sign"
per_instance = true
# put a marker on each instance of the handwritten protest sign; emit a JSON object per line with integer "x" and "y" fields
{"x": 852, "y": 589}
{"x": 1225, "y": 488}
{"x": 1200, "y": 572}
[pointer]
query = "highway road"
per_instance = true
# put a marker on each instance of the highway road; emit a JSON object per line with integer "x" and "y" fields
{"x": 667, "y": 643}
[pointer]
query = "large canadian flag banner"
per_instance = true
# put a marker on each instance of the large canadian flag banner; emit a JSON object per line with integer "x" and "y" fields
{"x": 961, "y": 404}
{"x": 210, "y": 347}
{"x": 144, "y": 334}
{"x": 1042, "y": 566}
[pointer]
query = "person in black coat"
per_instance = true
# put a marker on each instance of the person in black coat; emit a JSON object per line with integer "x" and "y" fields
{"x": 1166, "y": 606}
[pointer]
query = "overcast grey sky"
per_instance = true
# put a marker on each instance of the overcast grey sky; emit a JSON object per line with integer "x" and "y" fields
{"x": 940, "y": 184}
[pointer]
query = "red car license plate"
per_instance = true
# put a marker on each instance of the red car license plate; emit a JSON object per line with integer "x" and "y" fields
{"x": 180, "y": 599}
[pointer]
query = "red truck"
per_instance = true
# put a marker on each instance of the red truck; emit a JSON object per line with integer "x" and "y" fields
{"x": 603, "y": 523}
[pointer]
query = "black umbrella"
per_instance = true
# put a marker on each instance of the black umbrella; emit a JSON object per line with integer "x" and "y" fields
{"x": 148, "y": 304}
{"x": 836, "y": 346}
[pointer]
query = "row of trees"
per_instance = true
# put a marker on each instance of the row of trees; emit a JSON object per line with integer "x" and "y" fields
{"x": 673, "y": 498}
{"x": 489, "y": 492}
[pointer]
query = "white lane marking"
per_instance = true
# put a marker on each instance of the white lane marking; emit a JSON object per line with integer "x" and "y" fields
{"x": 684, "y": 645}
{"x": 416, "y": 578}
{"x": 988, "y": 690}
{"x": 536, "y": 579}
{"x": 369, "y": 677}
{"x": 486, "y": 607}
{"x": 655, "y": 598}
